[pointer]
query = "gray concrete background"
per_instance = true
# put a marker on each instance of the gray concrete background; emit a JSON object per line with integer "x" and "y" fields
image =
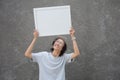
{"x": 97, "y": 25}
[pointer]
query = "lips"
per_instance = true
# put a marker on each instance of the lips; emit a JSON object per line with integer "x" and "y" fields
{"x": 57, "y": 45}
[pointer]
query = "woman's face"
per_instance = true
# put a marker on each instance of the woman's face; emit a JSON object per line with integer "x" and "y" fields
{"x": 58, "y": 45}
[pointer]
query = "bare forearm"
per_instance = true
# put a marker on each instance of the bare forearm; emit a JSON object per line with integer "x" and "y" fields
{"x": 75, "y": 47}
{"x": 29, "y": 49}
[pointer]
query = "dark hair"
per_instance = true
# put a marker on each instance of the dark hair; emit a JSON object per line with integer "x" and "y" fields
{"x": 64, "y": 47}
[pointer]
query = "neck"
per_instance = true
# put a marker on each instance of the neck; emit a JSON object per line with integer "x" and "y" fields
{"x": 56, "y": 53}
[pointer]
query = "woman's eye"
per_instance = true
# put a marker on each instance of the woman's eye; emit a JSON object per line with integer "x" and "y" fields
{"x": 60, "y": 42}
{"x": 57, "y": 41}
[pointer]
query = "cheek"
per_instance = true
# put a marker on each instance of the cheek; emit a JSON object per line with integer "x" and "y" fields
{"x": 62, "y": 46}
{"x": 54, "y": 45}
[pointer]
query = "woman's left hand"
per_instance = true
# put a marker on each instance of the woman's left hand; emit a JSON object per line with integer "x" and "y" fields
{"x": 72, "y": 31}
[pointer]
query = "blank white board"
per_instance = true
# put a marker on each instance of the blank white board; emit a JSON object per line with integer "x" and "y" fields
{"x": 50, "y": 21}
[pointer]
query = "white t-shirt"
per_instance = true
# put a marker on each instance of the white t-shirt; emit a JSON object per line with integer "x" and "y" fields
{"x": 50, "y": 67}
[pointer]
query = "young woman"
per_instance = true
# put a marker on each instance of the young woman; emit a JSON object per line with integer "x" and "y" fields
{"x": 52, "y": 64}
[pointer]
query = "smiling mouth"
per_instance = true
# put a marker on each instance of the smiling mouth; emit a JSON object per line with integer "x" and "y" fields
{"x": 57, "y": 45}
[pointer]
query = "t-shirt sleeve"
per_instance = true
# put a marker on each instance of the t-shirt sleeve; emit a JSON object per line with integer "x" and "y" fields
{"x": 36, "y": 56}
{"x": 68, "y": 58}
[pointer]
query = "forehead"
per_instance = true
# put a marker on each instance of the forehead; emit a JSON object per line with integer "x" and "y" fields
{"x": 60, "y": 40}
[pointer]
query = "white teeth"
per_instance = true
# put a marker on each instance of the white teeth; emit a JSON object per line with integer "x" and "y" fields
{"x": 56, "y": 45}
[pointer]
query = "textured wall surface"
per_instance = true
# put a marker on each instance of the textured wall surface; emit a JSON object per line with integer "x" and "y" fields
{"x": 97, "y": 25}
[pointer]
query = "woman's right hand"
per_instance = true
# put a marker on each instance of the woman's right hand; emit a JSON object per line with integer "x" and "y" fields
{"x": 36, "y": 33}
